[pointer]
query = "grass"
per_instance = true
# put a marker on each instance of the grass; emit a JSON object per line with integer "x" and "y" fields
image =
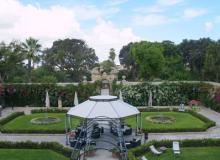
{"x": 189, "y": 153}
{"x": 182, "y": 121}
{"x": 22, "y": 123}
{"x": 30, "y": 154}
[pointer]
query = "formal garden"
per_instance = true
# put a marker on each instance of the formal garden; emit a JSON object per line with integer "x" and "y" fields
{"x": 94, "y": 81}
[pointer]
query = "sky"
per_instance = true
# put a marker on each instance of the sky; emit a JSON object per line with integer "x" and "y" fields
{"x": 106, "y": 24}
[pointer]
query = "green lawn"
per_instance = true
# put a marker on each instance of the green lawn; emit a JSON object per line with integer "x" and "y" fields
{"x": 182, "y": 121}
{"x": 198, "y": 153}
{"x": 30, "y": 154}
{"x": 22, "y": 123}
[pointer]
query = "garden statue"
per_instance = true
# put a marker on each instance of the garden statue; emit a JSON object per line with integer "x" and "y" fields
{"x": 182, "y": 107}
{"x": 123, "y": 79}
{"x": 150, "y": 101}
{"x": 59, "y": 103}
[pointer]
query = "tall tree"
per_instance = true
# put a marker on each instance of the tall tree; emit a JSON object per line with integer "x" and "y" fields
{"x": 174, "y": 67}
{"x": 11, "y": 59}
{"x": 112, "y": 55}
{"x": 149, "y": 58}
{"x": 32, "y": 49}
{"x": 72, "y": 56}
{"x": 212, "y": 63}
{"x": 193, "y": 52}
{"x": 127, "y": 59}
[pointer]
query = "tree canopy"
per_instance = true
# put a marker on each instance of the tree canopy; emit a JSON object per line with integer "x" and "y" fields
{"x": 72, "y": 56}
{"x": 149, "y": 58}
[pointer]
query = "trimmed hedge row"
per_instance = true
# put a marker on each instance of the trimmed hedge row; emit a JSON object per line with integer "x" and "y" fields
{"x": 135, "y": 153}
{"x": 54, "y": 146}
{"x": 208, "y": 123}
{"x": 34, "y": 94}
{"x": 51, "y": 131}
{"x": 52, "y": 110}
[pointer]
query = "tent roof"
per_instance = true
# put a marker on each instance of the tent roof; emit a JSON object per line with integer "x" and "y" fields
{"x": 103, "y": 106}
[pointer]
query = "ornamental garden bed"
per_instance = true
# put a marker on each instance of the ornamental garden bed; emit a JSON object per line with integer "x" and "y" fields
{"x": 172, "y": 122}
{"x": 205, "y": 149}
{"x": 23, "y": 124}
{"x": 179, "y": 122}
{"x": 33, "y": 151}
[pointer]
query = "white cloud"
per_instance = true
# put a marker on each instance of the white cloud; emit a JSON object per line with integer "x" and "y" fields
{"x": 92, "y": 12}
{"x": 194, "y": 12}
{"x": 44, "y": 24}
{"x": 168, "y": 2}
{"x": 18, "y": 21}
{"x": 158, "y": 7}
{"x": 116, "y": 2}
{"x": 209, "y": 26}
{"x": 217, "y": 19}
{"x": 151, "y": 20}
{"x": 105, "y": 36}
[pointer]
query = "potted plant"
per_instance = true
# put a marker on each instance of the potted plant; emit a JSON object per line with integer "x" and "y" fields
{"x": 90, "y": 151}
{"x": 115, "y": 152}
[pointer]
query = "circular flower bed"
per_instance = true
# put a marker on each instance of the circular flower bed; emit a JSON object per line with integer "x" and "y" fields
{"x": 45, "y": 120}
{"x": 160, "y": 119}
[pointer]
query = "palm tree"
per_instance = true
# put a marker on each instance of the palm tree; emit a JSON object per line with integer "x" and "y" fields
{"x": 31, "y": 49}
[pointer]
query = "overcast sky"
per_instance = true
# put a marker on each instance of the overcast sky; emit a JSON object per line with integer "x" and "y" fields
{"x": 106, "y": 24}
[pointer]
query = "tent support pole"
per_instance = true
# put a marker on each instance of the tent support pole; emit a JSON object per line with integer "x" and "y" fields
{"x": 141, "y": 121}
{"x": 136, "y": 124}
{"x": 66, "y": 129}
{"x": 70, "y": 122}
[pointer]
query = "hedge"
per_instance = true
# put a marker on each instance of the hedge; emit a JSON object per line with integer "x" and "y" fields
{"x": 51, "y": 110}
{"x": 54, "y": 146}
{"x": 135, "y": 153}
{"x": 34, "y": 94}
{"x": 165, "y": 94}
{"x": 208, "y": 123}
{"x": 211, "y": 103}
{"x": 51, "y": 131}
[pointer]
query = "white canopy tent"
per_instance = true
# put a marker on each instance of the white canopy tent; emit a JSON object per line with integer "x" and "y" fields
{"x": 103, "y": 106}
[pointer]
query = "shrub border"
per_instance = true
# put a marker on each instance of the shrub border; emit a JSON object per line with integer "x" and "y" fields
{"x": 54, "y": 146}
{"x": 134, "y": 153}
